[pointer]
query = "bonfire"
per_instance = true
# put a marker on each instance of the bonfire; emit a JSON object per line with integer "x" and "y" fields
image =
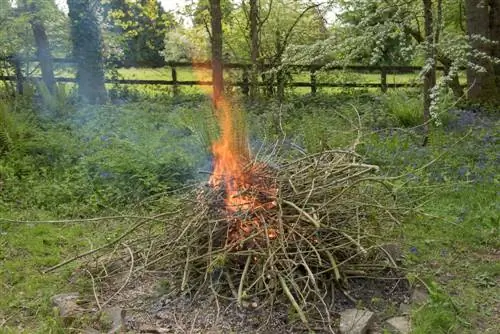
{"x": 288, "y": 227}
{"x": 283, "y": 227}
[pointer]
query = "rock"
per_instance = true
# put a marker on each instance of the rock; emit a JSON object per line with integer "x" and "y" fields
{"x": 404, "y": 308}
{"x": 67, "y": 307}
{"x": 398, "y": 325}
{"x": 353, "y": 321}
{"x": 419, "y": 296}
{"x": 114, "y": 316}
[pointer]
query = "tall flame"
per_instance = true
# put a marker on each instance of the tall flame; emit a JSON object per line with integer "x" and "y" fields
{"x": 233, "y": 171}
{"x": 230, "y": 151}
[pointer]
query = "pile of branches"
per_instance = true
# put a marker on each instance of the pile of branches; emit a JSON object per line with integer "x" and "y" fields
{"x": 323, "y": 220}
{"x": 323, "y": 224}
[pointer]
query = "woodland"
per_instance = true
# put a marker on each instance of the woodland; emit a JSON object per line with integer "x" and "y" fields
{"x": 249, "y": 166}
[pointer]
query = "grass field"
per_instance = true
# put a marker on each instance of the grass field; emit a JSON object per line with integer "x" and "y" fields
{"x": 108, "y": 161}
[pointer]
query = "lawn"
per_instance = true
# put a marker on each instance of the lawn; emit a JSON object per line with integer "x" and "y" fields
{"x": 117, "y": 160}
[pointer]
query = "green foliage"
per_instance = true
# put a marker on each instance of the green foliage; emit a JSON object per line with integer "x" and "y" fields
{"x": 58, "y": 103}
{"x": 140, "y": 28}
{"x": 440, "y": 315}
{"x": 98, "y": 157}
{"x": 7, "y": 130}
{"x": 402, "y": 106}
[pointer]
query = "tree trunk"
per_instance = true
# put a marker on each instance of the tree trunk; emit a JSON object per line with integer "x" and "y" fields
{"x": 430, "y": 74}
{"x": 217, "y": 65}
{"x": 481, "y": 82}
{"x": 16, "y": 63}
{"x": 87, "y": 51}
{"x": 254, "y": 38}
{"x": 44, "y": 55}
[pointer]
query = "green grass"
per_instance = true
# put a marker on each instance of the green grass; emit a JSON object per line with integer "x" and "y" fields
{"x": 450, "y": 243}
{"x": 26, "y": 250}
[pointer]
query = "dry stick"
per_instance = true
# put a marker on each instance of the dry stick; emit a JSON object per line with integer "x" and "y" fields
{"x": 242, "y": 279}
{"x": 185, "y": 274}
{"x": 319, "y": 154}
{"x": 309, "y": 272}
{"x": 111, "y": 243}
{"x": 231, "y": 285}
{"x": 358, "y": 138}
{"x": 311, "y": 219}
{"x": 83, "y": 220}
{"x": 292, "y": 299}
{"x": 368, "y": 169}
{"x": 93, "y": 289}
{"x": 128, "y": 276}
{"x": 334, "y": 266}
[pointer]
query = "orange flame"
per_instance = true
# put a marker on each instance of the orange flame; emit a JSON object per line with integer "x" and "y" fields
{"x": 231, "y": 172}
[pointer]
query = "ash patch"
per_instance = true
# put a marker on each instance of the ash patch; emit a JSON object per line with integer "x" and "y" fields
{"x": 147, "y": 312}
{"x": 184, "y": 314}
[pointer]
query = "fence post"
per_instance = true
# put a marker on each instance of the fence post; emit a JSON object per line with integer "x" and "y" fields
{"x": 313, "y": 82}
{"x": 246, "y": 83}
{"x": 383, "y": 79}
{"x": 175, "y": 86}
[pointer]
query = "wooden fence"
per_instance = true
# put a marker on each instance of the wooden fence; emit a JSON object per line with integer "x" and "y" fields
{"x": 244, "y": 83}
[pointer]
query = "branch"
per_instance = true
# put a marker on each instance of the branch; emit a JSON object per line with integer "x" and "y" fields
{"x": 290, "y": 30}
{"x": 261, "y": 23}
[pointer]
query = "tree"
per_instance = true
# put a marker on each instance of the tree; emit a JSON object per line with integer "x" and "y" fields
{"x": 216, "y": 39}
{"x": 44, "y": 54}
{"x": 141, "y": 27}
{"x": 484, "y": 35}
{"x": 87, "y": 51}
{"x": 254, "y": 47}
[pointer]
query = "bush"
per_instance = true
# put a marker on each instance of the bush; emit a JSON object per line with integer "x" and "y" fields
{"x": 403, "y": 107}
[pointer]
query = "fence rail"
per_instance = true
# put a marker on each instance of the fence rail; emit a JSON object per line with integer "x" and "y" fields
{"x": 313, "y": 83}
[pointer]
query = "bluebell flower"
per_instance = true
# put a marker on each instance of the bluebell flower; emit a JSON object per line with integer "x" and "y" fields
{"x": 413, "y": 250}
{"x": 105, "y": 175}
{"x": 462, "y": 171}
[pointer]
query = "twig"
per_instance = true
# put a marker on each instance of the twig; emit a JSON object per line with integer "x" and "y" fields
{"x": 82, "y": 220}
{"x": 242, "y": 279}
{"x": 311, "y": 219}
{"x": 93, "y": 289}
{"x": 292, "y": 300}
{"x": 128, "y": 276}
{"x": 109, "y": 244}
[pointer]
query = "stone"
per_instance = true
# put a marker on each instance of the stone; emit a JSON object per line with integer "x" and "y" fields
{"x": 419, "y": 296}
{"x": 398, "y": 325}
{"x": 353, "y": 321}
{"x": 67, "y": 306}
{"x": 115, "y": 316}
{"x": 404, "y": 308}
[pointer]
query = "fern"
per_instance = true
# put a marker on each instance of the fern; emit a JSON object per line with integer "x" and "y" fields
{"x": 7, "y": 127}
{"x": 58, "y": 102}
